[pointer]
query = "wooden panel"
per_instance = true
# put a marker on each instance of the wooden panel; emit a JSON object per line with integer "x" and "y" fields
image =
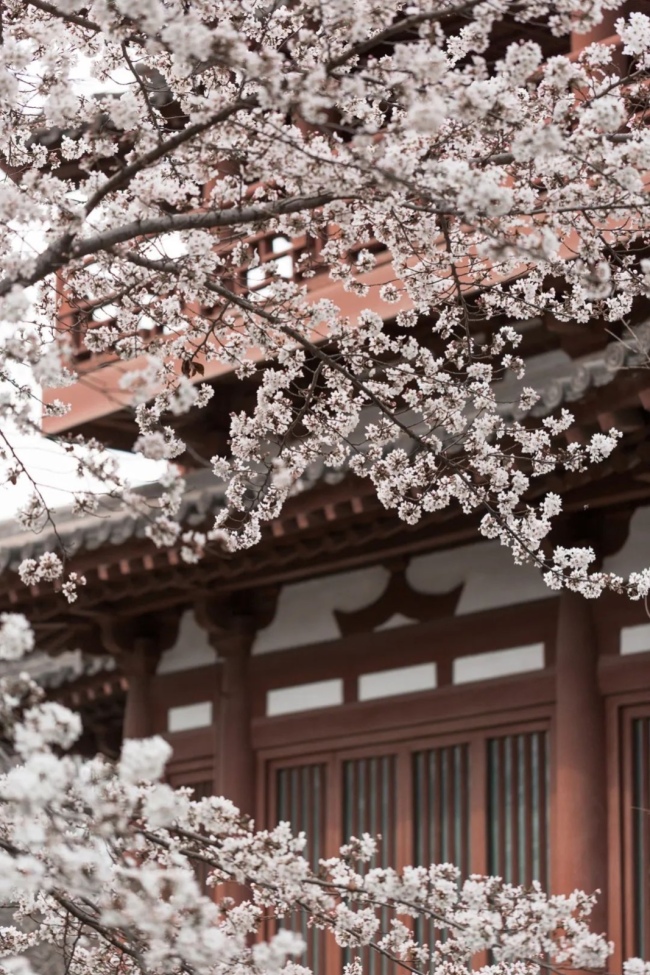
{"x": 446, "y": 710}
{"x": 300, "y": 798}
{"x": 192, "y": 749}
{"x": 441, "y": 815}
{"x": 369, "y": 803}
{"x": 621, "y": 675}
{"x": 518, "y": 807}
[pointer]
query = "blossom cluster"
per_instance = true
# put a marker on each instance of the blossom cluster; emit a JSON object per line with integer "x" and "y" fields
{"x": 504, "y": 185}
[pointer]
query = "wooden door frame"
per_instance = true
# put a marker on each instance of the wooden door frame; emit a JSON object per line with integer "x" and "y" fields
{"x": 403, "y": 746}
{"x": 621, "y": 711}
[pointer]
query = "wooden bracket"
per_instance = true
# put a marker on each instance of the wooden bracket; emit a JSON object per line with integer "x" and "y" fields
{"x": 398, "y": 597}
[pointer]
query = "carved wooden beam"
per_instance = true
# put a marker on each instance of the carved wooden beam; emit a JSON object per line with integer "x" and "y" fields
{"x": 398, "y": 597}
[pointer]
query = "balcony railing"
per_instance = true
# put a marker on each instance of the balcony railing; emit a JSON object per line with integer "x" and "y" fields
{"x": 271, "y": 256}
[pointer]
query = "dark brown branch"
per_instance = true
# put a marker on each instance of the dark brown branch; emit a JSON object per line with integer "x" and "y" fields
{"x": 70, "y": 18}
{"x": 505, "y": 158}
{"x": 121, "y": 178}
{"x": 64, "y": 250}
{"x": 364, "y": 47}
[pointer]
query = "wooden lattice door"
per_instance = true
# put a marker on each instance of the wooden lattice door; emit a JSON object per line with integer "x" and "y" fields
{"x": 479, "y": 800}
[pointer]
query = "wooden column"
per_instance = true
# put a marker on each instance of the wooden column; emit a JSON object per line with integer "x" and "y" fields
{"x": 137, "y": 643}
{"x": 234, "y": 765}
{"x": 231, "y": 624}
{"x": 579, "y": 850}
{"x": 139, "y": 668}
{"x": 231, "y": 633}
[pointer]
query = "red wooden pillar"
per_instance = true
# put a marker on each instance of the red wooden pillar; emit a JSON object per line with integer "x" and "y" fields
{"x": 231, "y": 629}
{"x": 137, "y": 643}
{"x": 234, "y": 766}
{"x": 139, "y": 667}
{"x": 579, "y": 848}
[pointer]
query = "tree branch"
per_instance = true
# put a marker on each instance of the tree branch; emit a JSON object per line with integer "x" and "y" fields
{"x": 364, "y": 47}
{"x": 70, "y": 18}
{"x": 162, "y": 150}
{"x": 62, "y": 251}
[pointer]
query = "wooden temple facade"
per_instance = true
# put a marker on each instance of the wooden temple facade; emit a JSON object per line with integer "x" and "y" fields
{"x": 352, "y": 674}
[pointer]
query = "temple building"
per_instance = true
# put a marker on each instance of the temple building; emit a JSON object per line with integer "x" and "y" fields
{"x": 354, "y": 674}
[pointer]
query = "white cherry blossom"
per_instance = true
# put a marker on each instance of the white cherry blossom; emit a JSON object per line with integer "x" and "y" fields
{"x": 130, "y": 222}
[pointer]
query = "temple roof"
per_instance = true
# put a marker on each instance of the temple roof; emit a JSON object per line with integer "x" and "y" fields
{"x": 53, "y": 673}
{"x": 559, "y": 379}
{"x": 111, "y": 526}
{"x": 336, "y": 521}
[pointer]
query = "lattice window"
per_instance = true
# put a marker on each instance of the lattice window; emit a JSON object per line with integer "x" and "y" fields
{"x": 518, "y": 807}
{"x": 441, "y": 806}
{"x": 441, "y": 811}
{"x": 300, "y": 800}
{"x": 369, "y": 806}
{"x": 481, "y": 803}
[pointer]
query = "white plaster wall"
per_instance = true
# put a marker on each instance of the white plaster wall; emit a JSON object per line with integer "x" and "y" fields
{"x": 498, "y": 663}
{"x": 395, "y": 621}
{"x": 635, "y": 553}
{"x": 304, "y": 697}
{"x": 185, "y": 717}
{"x": 635, "y": 639}
{"x": 398, "y": 680}
{"x": 540, "y": 371}
{"x": 305, "y": 611}
{"x": 190, "y": 650}
{"x": 486, "y": 569}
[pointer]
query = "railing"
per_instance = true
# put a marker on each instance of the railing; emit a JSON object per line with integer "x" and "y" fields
{"x": 271, "y": 256}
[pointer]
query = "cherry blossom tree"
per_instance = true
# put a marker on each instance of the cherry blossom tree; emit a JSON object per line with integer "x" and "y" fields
{"x": 97, "y": 868}
{"x": 502, "y": 188}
